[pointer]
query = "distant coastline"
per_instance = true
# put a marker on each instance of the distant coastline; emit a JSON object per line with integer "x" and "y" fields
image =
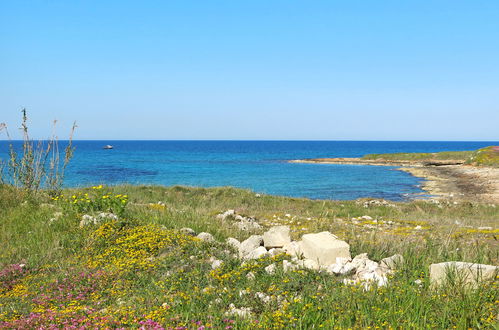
{"x": 447, "y": 175}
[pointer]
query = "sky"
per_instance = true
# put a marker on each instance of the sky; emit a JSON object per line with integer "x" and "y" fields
{"x": 256, "y": 70}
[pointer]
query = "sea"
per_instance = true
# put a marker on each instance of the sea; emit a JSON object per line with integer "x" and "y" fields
{"x": 261, "y": 166}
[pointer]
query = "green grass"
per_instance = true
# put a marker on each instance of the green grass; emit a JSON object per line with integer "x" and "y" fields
{"x": 488, "y": 156}
{"x": 485, "y": 157}
{"x": 445, "y": 155}
{"x": 140, "y": 271}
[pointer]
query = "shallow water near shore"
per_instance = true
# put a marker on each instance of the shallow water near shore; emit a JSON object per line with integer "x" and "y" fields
{"x": 261, "y": 166}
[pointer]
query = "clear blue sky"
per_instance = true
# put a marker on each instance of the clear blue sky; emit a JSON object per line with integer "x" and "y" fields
{"x": 358, "y": 70}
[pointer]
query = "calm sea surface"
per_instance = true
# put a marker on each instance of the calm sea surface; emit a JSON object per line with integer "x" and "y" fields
{"x": 258, "y": 165}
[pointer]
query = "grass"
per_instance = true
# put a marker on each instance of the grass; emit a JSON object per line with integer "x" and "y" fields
{"x": 488, "y": 156}
{"x": 140, "y": 271}
{"x": 445, "y": 155}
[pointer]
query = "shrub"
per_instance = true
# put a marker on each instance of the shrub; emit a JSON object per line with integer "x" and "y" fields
{"x": 38, "y": 164}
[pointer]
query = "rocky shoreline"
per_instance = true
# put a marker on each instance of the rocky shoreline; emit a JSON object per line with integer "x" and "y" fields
{"x": 449, "y": 179}
{"x": 459, "y": 182}
{"x": 377, "y": 162}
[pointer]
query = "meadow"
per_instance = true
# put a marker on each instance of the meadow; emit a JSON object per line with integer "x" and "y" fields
{"x": 137, "y": 269}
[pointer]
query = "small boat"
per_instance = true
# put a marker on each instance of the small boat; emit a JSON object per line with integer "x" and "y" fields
{"x": 108, "y": 147}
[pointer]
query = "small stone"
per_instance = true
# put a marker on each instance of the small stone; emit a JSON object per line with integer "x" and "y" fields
{"x": 257, "y": 253}
{"x": 276, "y": 251}
{"x": 207, "y": 237}
{"x": 270, "y": 269}
{"x": 216, "y": 264}
{"x": 243, "y": 312}
{"x": 392, "y": 262}
{"x": 187, "y": 231}
{"x": 246, "y": 224}
{"x": 233, "y": 242}
{"x": 310, "y": 264}
{"x": 250, "y": 276}
{"x": 250, "y": 244}
{"x": 228, "y": 213}
{"x": 263, "y": 297}
{"x": 87, "y": 220}
{"x": 288, "y": 266}
{"x": 293, "y": 249}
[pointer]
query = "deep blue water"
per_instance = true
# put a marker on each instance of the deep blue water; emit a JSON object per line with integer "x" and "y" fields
{"x": 258, "y": 165}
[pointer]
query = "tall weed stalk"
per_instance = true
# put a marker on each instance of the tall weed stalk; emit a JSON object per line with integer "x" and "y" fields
{"x": 38, "y": 164}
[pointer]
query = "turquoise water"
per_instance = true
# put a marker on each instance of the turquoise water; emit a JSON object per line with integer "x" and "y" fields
{"x": 257, "y": 165}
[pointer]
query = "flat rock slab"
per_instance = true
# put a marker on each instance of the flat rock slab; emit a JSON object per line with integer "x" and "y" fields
{"x": 276, "y": 237}
{"x": 324, "y": 248}
{"x": 465, "y": 273}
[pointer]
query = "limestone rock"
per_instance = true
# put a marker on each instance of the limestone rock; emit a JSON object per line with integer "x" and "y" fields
{"x": 276, "y": 237}
{"x": 293, "y": 249}
{"x": 392, "y": 262}
{"x": 270, "y": 269}
{"x": 275, "y": 251}
{"x": 246, "y": 224}
{"x": 243, "y": 312}
{"x": 223, "y": 216}
{"x": 288, "y": 266}
{"x": 207, "y": 237}
{"x": 466, "y": 273}
{"x": 234, "y": 243}
{"x": 324, "y": 248}
{"x": 256, "y": 253}
{"x": 188, "y": 231}
{"x": 250, "y": 244}
{"x": 216, "y": 264}
{"x": 309, "y": 264}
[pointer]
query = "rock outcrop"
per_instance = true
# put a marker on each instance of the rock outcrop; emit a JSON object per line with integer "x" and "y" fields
{"x": 464, "y": 273}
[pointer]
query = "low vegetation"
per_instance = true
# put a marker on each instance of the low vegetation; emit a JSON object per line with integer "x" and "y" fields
{"x": 485, "y": 157}
{"x": 488, "y": 156}
{"x": 423, "y": 156}
{"x": 135, "y": 268}
{"x": 35, "y": 164}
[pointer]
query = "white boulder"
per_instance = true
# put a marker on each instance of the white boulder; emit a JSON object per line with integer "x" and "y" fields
{"x": 293, "y": 249}
{"x": 257, "y": 253}
{"x": 276, "y": 237}
{"x": 233, "y": 242}
{"x": 465, "y": 273}
{"x": 324, "y": 248}
{"x": 309, "y": 264}
{"x": 207, "y": 237}
{"x": 250, "y": 244}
